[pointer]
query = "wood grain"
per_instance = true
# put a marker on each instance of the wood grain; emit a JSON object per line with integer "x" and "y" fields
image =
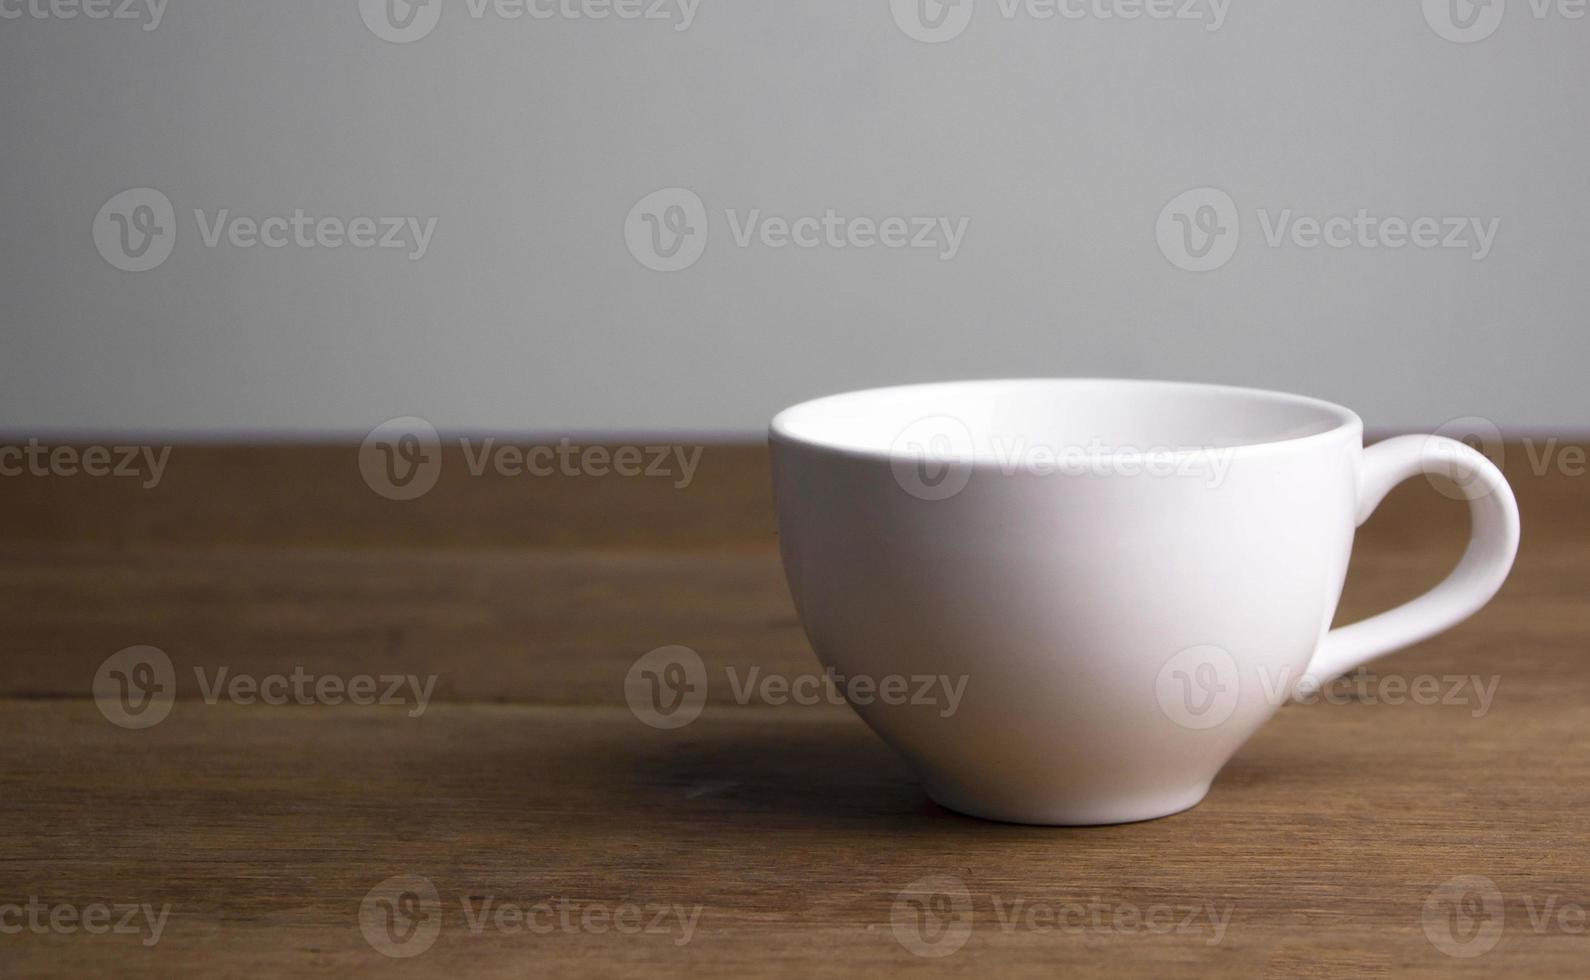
{"x": 278, "y": 497}
{"x": 528, "y": 781}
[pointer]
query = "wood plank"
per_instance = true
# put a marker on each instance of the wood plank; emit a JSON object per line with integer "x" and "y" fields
{"x": 284, "y": 497}
{"x": 563, "y": 626}
{"x": 527, "y": 778}
{"x": 268, "y": 496}
{"x": 793, "y": 830}
{"x": 564, "y": 629}
{"x": 535, "y": 627}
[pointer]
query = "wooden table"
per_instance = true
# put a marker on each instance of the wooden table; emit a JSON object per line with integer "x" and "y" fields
{"x": 537, "y": 827}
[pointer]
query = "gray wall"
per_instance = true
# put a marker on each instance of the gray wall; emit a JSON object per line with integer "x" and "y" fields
{"x": 529, "y": 141}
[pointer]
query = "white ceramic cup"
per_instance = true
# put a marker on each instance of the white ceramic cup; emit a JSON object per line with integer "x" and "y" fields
{"x": 1128, "y": 577}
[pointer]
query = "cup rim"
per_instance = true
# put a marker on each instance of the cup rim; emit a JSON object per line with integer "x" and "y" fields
{"x": 1345, "y": 419}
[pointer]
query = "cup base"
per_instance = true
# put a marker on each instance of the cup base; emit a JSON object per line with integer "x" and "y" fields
{"x": 1071, "y": 813}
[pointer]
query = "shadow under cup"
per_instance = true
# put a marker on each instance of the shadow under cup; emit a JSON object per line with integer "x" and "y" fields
{"x": 1066, "y": 601}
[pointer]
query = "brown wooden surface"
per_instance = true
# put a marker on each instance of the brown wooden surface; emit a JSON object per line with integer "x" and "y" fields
{"x": 527, "y": 779}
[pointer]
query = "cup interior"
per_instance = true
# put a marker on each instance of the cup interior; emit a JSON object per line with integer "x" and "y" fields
{"x": 1092, "y": 416}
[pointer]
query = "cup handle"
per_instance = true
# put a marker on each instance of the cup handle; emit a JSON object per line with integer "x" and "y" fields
{"x": 1493, "y": 542}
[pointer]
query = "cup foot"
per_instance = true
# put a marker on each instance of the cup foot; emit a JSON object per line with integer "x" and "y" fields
{"x": 1070, "y": 813}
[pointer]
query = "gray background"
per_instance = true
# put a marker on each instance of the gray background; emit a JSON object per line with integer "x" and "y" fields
{"x": 530, "y": 140}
